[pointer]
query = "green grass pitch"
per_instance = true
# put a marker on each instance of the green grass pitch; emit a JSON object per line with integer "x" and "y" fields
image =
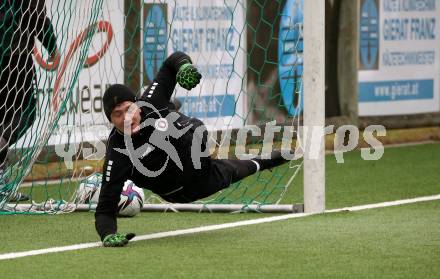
{"x": 396, "y": 242}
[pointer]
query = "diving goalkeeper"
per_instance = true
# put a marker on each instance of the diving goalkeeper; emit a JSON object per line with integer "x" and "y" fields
{"x": 153, "y": 145}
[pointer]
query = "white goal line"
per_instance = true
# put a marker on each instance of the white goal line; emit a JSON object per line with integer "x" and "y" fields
{"x": 15, "y": 255}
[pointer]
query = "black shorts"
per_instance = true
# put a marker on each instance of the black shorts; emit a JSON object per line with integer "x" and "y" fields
{"x": 214, "y": 176}
{"x": 17, "y": 98}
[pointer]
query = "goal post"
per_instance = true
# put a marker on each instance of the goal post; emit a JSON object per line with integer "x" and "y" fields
{"x": 314, "y": 104}
{"x": 262, "y": 62}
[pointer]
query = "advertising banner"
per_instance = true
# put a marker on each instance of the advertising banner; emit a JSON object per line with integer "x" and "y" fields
{"x": 399, "y": 57}
{"x": 213, "y": 34}
{"x": 99, "y": 61}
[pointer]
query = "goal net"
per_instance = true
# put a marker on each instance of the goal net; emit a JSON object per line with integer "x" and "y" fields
{"x": 250, "y": 54}
{"x": 44, "y": 48}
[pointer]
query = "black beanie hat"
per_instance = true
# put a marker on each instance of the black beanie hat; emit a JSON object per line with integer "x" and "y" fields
{"x": 114, "y": 95}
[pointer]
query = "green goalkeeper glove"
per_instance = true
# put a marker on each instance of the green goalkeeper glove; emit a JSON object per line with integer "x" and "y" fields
{"x": 117, "y": 239}
{"x": 188, "y": 77}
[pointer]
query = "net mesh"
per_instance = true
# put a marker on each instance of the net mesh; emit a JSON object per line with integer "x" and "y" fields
{"x": 249, "y": 53}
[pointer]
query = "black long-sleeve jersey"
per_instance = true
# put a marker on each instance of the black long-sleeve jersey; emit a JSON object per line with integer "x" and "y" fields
{"x": 20, "y": 23}
{"x": 165, "y": 174}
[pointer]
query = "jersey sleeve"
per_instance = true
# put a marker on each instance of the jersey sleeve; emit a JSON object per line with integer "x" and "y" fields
{"x": 47, "y": 36}
{"x": 117, "y": 169}
{"x": 160, "y": 91}
{"x": 39, "y": 25}
{"x": 45, "y": 32}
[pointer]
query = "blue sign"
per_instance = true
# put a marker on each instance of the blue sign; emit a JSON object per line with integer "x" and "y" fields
{"x": 369, "y": 35}
{"x": 208, "y": 106}
{"x": 399, "y": 90}
{"x": 154, "y": 39}
{"x": 290, "y": 55}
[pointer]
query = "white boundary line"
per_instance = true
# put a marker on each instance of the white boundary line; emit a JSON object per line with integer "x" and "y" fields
{"x": 15, "y": 255}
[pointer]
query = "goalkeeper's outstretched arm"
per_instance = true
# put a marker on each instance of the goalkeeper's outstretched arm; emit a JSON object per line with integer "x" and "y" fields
{"x": 177, "y": 68}
{"x": 117, "y": 168}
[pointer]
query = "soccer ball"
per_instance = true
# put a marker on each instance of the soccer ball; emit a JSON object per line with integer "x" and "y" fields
{"x": 132, "y": 200}
{"x": 132, "y": 197}
{"x": 86, "y": 192}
